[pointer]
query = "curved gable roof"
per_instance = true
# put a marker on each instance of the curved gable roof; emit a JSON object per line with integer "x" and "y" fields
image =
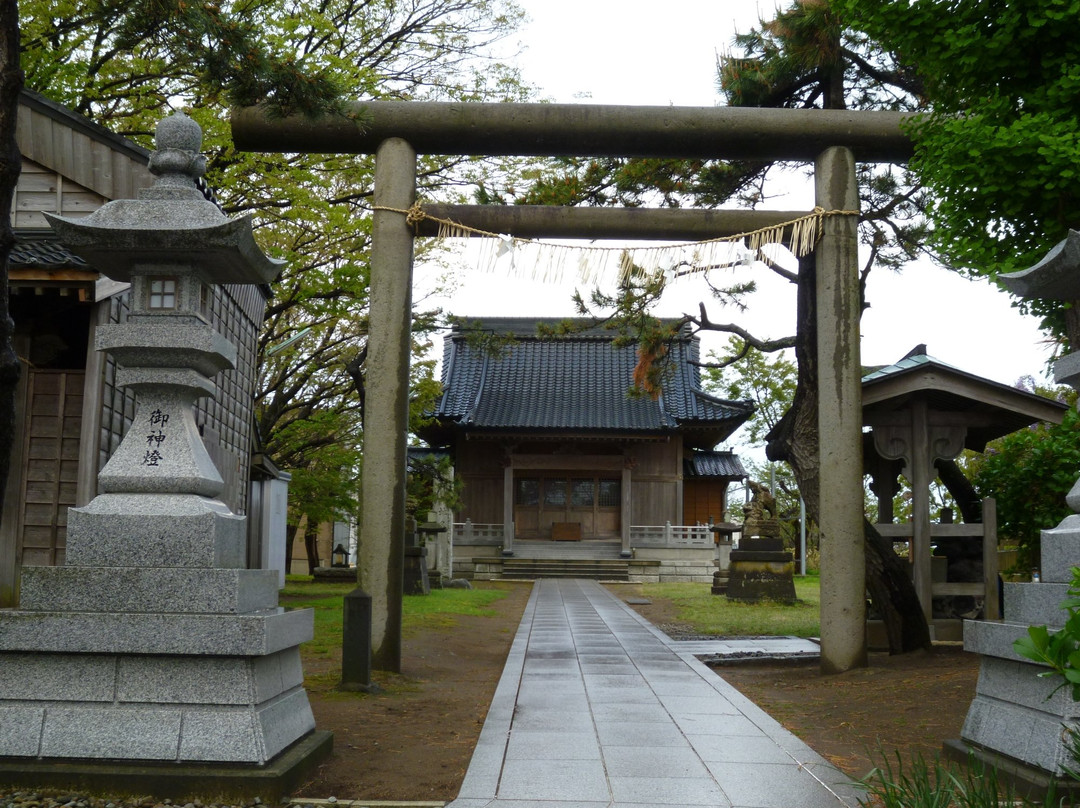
{"x": 575, "y": 383}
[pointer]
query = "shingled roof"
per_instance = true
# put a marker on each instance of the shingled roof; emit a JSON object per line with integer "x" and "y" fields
{"x": 577, "y": 384}
{"x": 987, "y": 409}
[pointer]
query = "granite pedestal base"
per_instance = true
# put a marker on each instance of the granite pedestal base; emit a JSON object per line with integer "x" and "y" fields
{"x": 181, "y": 783}
{"x": 186, "y": 663}
{"x": 1029, "y": 782}
{"x": 761, "y": 570}
{"x": 1016, "y": 713}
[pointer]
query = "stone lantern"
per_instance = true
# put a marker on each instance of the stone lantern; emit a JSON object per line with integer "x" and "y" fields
{"x": 153, "y": 643}
{"x": 1017, "y": 721}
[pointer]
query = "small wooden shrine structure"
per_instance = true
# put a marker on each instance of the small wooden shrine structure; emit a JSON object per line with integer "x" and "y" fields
{"x": 922, "y": 412}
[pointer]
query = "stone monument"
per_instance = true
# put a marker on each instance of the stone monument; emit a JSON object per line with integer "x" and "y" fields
{"x": 1016, "y": 720}
{"x": 761, "y": 569}
{"x": 153, "y": 644}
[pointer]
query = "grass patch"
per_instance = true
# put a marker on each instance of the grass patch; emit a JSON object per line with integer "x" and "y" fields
{"x": 442, "y": 607}
{"x": 439, "y": 610}
{"x": 707, "y": 613}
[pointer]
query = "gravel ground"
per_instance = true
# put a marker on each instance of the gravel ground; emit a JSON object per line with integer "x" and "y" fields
{"x": 40, "y": 799}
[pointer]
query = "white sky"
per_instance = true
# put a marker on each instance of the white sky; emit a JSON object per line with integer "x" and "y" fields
{"x": 600, "y": 51}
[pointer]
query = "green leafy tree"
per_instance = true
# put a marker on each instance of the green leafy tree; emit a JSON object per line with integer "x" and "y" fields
{"x": 1029, "y": 473}
{"x": 125, "y": 65}
{"x": 767, "y": 380}
{"x": 1000, "y": 149}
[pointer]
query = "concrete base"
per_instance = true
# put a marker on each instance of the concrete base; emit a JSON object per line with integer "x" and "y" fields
{"x": 181, "y": 783}
{"x": 755, "y": 575}
{"x": 1026, "y": 781}
{"x": 334, "y": 575}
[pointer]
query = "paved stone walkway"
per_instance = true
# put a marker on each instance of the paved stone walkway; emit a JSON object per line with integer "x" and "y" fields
{"x": 597, "y": 708}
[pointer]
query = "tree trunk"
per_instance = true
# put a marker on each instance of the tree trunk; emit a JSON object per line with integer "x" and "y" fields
{"x": 311, "y": 544}
{"x": 11, "y": 82}
{"x": 290, "y": 537}
{"x": 963, "y": 492}
{"x": 794, "y": 440}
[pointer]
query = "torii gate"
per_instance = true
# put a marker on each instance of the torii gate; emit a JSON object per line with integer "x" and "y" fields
{"x": 396, "y": 131}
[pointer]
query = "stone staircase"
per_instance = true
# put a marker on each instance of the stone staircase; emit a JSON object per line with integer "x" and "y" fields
{"x": 597, "y": 560}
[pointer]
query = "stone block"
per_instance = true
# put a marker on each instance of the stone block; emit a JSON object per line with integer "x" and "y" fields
{"x": 1035, "y": 604}
{"x": 185, "y": 680}
{"x": 993, "y": 639}
{"x": 1060, "y": 551}
{"x": 221, "y": 734}
{"x": 285, "y": 720}
{"x": 196, "y": 635}
{"x": 57, "y": 677}
{"x": 134, "y": 589}
{"x": 1020, "y": 683}
{"x": 155, "y": 530}
{"x": 1030, "y": 736}
{"x": 111, "y": 732}
{"x": 163, "y": 344}
{"x": 277, "y": 673}
{"x": 20, "y": 730}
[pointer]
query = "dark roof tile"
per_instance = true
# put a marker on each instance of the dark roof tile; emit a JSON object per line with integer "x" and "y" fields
{"x": 43, "y": 253}
{"x": 577, "y": 382}
{"x": 713, "y": 464}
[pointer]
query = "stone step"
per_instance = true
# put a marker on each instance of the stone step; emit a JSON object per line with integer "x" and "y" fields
{"x": 597, "y": 570}
{"x": 567, "y": 549}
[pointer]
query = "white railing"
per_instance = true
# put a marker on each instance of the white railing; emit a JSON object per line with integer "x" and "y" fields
{"x": 469, "y": 532}
{"x": 669, "y": 535}
{"x": 665, "y": 535}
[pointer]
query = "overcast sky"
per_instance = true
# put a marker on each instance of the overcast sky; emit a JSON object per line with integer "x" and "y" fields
{"x": 600, "y": 51}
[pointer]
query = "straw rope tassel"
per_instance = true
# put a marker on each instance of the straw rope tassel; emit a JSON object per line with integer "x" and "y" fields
{"x": 549, "y": 261}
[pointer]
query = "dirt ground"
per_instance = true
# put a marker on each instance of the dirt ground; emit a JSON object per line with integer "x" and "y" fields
{"x": 414, "y": 741}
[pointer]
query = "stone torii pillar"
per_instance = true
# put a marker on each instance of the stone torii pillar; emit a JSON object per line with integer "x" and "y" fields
{"x": 830, "y": 138}
{"x": 840, "y": 518}
{"x": 386, "y": 416}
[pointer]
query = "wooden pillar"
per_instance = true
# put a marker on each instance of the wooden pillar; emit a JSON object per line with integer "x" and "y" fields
{"x": 843, "y": 575}
{"x": 991, "y": 600}
{"x": 919, "y": 476}
{"x": 508, "y": 505}
{"x": 625, "y": 512}
{"x": 386, "y": 417}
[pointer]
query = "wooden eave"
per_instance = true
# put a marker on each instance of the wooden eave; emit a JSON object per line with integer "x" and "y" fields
{"x": 80, "y": 150}
{"x": 33, "y": 276}
{"x": 988, "y": 409}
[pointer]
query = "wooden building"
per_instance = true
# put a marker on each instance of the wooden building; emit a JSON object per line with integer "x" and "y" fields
{"x": 551, "y": 445}
{"x": 70, "y": 413}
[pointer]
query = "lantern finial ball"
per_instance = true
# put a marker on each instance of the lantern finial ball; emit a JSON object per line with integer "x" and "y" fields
{"x": 178, "y": 131}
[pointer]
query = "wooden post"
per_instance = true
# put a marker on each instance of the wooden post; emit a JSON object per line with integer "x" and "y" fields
{"x": 919, "y": 459}
{"x": 386, "y": 418}
{"x": 991, "y": 600}
{"x": 508, "y": 506}
{"x": 843, "y": 574}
